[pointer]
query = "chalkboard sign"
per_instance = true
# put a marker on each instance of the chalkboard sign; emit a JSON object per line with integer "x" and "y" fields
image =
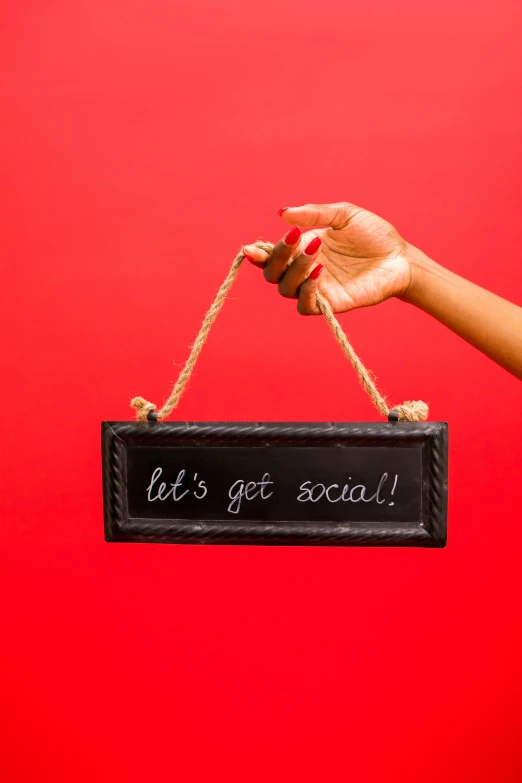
{"x": 342, "y": 484}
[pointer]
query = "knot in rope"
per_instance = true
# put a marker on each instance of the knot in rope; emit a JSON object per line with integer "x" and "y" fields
{"x": 142, "y": 407}
{"x": 414, "y": 410}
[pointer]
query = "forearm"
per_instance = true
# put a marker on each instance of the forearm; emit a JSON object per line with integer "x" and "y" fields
{"x": 483, "y": 319}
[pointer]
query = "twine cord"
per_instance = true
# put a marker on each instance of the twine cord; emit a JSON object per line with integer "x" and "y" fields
{"x": 411, "y": 410}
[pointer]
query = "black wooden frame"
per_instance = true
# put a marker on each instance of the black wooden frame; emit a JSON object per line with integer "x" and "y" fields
{"x": 432, "y": 437}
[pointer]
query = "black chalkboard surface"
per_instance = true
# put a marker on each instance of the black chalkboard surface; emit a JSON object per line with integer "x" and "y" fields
{"x": 347, "y": 484}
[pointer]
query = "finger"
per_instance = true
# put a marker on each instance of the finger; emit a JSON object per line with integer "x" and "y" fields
{"x": 281, "y": 255}
{"x": 336, "y": 215}
{"x": 307, "y": 304}
{"x": 255, "y": 255}
{"x": 300, "y": 268}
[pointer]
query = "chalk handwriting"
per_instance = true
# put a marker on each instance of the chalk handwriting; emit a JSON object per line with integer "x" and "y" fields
{"x": 333, "y": 493}
{"x": 174, "y": 487}
{"x": 240, "y": 490}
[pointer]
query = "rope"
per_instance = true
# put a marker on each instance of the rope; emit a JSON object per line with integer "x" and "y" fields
{"x": 415, "y": 410}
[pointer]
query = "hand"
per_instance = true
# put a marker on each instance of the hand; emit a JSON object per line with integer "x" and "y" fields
{"x": 357, "y": 261}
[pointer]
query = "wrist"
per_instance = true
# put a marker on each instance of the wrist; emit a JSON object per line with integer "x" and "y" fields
{"x": 420, "y": 268}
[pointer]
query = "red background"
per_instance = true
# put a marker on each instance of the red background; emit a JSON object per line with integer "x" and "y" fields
{"x": 142, "y": 142}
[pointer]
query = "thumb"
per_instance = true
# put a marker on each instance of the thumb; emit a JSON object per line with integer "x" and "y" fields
{"x": 336, "y": 215}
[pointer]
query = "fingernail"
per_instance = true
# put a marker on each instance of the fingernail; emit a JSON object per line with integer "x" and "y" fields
{"x": 280, "y": 211}
{"x": 316, "y": 271}
{"x": 313, "y": 246}
{"x": 292, "y": 236}
{"x": 249, "y": 258}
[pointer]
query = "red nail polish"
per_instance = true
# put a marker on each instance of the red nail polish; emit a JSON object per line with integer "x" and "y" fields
{"x": 292, "y": 236}
{"x": 313, "y": 246}
{"x": 316, "y": 271}
{"x": 280, "y": 211}
{"x": 249, "y": 258}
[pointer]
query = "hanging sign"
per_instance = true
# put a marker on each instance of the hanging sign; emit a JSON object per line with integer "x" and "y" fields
{"x": 276, "y": 483}
{"x": 346, "y": 484}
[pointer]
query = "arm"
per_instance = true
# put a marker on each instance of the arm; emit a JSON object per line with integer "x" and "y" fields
{"x": 358, "y": 259}
{"x": 483, "y": 319}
